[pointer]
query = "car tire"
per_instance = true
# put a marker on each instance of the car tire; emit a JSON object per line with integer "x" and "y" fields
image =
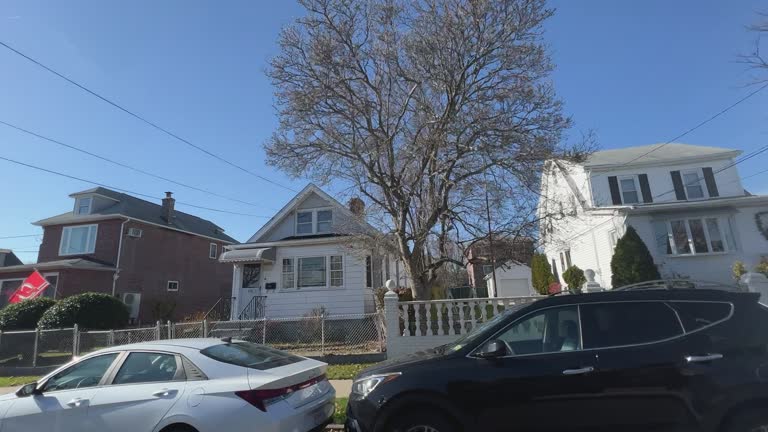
{"x": 422, "y": 421}
{"x": 749, "y": 421}
{"x": 179, "y": 428}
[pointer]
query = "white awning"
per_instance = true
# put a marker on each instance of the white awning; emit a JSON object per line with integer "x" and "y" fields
{"x": 248, "y": 255}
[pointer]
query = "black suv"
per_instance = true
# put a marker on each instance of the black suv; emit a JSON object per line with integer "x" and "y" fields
{"x": 635, "y": 359}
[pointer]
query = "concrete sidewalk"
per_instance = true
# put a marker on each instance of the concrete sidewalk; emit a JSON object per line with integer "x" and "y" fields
{"x": 343, "y": 388}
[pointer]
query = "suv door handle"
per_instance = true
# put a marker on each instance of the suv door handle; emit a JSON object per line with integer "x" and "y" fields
{"x": 165, "y": 393}
{"x": 77, "y": 402}
{"x": 703, "y": 358}
{"x": 582, "y": 371}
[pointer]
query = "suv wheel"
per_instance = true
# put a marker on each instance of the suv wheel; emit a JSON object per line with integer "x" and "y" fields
{"x": 422, "y": 421}
{"x": 750, "y": 421}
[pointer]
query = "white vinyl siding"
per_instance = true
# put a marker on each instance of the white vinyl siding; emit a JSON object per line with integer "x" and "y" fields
{"x": 78, "y": 240}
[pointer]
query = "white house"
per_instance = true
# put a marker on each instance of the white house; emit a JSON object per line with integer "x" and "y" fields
{"x": 686, "y": 202}
{"x": 513, "y": 280}
{"x": 302, "y": 261}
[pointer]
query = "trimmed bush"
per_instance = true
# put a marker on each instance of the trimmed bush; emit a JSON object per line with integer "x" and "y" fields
{"x": 632, "y": 262}
{"x": 541, "y": 273}
{"x": 575, "y": 278}
{"x": 89, "y": 311}
{"x": 25, "y": 314}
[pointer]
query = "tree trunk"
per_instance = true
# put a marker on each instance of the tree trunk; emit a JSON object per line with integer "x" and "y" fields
{"x": 421, "y": 282}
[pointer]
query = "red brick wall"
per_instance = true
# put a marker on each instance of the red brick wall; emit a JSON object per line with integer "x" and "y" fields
{"x": 159, "y": 255}
{"x": 107, "y": 239}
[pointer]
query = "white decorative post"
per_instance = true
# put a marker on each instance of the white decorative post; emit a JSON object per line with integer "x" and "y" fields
{"x": 756, "y": 282}
{"x": 591, "y": 285}
{"x": 391, "y": 314}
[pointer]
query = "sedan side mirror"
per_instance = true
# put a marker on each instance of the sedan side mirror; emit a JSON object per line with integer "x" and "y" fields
{"x": 28, "y": 390}
{"x": 493, "y": 349}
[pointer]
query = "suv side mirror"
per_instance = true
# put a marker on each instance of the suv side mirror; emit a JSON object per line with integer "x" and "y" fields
{"x": 28, "y": 390}
{"x": 493, "y": 349}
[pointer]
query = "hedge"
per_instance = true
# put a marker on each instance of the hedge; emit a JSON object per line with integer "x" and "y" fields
{"x": 89, "y": 311}
{"x": 25, "y": 314}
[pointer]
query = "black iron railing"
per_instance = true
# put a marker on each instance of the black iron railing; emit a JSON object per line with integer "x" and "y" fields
{"x": 254, "y": 309}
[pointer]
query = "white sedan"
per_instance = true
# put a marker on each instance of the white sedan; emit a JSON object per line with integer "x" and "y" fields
{"x": 184, "y": 385}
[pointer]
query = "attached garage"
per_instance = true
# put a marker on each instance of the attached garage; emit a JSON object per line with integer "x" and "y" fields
{"x": 513, "y": 278}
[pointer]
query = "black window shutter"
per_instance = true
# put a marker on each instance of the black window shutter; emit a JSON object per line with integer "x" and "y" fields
{"x": 677, "y": 181}
{"x": 709, "y": 179}
{"x": 645, "y": 188}
{"x": 613, "y": 183}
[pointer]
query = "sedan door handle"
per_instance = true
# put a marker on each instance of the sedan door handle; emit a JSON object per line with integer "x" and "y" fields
{"x": 703, "y": 358}
{"x": 77, "y": 402}
{"x": 582, "y": 371}
{"x": 165, "y": 393}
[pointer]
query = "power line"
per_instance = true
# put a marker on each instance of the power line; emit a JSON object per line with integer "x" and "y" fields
{"x": 21, "y": 236}
{"x": 125, "y": 190}
{"x": 138, "y": 117}
{"x": 121, "y": 164}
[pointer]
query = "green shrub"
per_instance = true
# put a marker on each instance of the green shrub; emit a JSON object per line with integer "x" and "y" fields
{"x": 25, "y": 314}
{"x": 632, "y": 262}
{"x": 575, "y": 278}
{"x": 89, "y": 311}
{"x": 541, "y": 273}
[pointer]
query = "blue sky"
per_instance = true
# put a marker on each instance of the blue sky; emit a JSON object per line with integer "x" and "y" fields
{"x": 635, "y": 72}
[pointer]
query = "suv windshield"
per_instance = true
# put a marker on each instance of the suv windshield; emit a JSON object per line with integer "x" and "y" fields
{"x": 480, "y": 329}
{"x": 250, "y": 355}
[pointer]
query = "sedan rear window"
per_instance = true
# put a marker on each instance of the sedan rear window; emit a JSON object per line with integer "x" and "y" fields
{"x": 250, "y": 355}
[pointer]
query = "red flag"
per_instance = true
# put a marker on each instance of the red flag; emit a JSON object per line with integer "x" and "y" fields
{"x": 32, "y": 287}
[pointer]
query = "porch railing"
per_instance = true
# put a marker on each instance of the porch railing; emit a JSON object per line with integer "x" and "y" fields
{"x": 254, "y": 309}
{"x": 221, "y": 310}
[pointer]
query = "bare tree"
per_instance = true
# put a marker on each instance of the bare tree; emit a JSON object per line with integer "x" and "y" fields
{"x": 420, "y": 107}
{"x": 757, "y": 59}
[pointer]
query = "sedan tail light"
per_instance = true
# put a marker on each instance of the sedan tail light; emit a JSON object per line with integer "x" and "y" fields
{"x": 260, "y": 398}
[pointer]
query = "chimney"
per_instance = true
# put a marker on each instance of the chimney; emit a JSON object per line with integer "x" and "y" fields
{"x": 168, "y": 203}
{"x": 357, "y": 207}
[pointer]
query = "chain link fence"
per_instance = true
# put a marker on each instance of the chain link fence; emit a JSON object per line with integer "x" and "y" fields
{"x": 320, "y": 335}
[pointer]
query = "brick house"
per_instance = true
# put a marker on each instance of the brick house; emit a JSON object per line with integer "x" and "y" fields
{"x": 478, "y": 256}
{"x": 162, "y": 262}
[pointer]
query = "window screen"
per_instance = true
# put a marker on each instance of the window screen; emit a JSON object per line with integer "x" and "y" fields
{"x": 629, "y": 323}
{"x": 696, "y": 315}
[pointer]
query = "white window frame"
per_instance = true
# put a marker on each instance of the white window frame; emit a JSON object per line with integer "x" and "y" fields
{"x": 93, "y": 230}
{"x": 283, "y": 273}
{"x": 55, "y": 288}
{"x": 691, "y": 246}
{"x": 314, "y": 221}
{"x": 331, "y": 271}
{"x": 213, "y": 250}
{"x": 168, "y": 286}
{"x": 78, "y": 204}
{"x": 700, "y": 177}
{"x": 296, "y": 260}
{"x": 637, "y": 189}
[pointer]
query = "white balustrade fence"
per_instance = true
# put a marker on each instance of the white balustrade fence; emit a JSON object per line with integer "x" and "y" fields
{"x": 417, "y": 325}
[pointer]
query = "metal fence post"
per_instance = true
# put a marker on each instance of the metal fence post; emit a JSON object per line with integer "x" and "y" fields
{"x": 34, "y": 350}
{"x": 157, "y": 330}
{"x": 170, "y": 330}
{"x": 322, "y": 334}
{"x": 75, "y": 341}
{"x": 380, "y": 329}
{"x": 264, "y": 331}
{"x": 205, "y": 328}
{"x": 111, "y": 338}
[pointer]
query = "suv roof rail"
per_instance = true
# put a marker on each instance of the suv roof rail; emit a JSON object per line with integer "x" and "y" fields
{"x": 669, "y": 284}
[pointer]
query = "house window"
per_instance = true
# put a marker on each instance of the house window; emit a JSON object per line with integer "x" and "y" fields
{"x": 213, "y": 250}
{"x": 312, "y": 272}
{"x": 251, "y": 275}
{"x": 304, "y": 222}
{"x": 695, "y": 236}
{"x": 83, "y": 205}
{"x": 53, "y": 280}
{"x": 78, "y": 240}
{"x": 692, "y": 182}
{"x": 173, "y": 285}
{"x": 568, "y": 262}
{"x": 629, "y": 194}
{"x": 288, "y": 273}
{"x": 337, "y": 271}
{"x": 324, "y": 221}
{"x": 368, "y": 272}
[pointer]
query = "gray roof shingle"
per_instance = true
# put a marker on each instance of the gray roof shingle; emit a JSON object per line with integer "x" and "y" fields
{"x": 665, "y": 153}
{"x": 139, "y": 209}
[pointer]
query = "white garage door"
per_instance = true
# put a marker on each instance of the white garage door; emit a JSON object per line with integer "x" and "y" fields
{"x": 513, "y": 288}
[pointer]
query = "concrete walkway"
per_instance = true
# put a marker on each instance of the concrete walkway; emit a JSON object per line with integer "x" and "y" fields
{"x": 343, "y": 388}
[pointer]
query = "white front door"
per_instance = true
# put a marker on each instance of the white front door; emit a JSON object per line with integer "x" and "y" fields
{"x": 251, "y": 287}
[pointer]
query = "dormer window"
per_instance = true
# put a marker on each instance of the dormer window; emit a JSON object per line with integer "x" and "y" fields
{"x": 313, "y": 222}
{"x": 83, "y": 205}
{"x": 630, "y": 189}
{"x": 692, "y": 181}
{"x": 629, "y": 193}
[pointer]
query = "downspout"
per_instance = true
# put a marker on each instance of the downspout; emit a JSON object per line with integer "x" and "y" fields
{"x": 119, "y": 252}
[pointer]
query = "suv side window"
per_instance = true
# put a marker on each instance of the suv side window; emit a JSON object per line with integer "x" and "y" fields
{"x": 627, "y": 323}
{"x": 696, "y": 315}
{"x": 545, "y": 331}
{"x": 146, "y": 367}
{"x": 87, "y": 373}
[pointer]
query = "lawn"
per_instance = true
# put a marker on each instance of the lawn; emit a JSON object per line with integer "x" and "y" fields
{"x": 340, "y": 416}
{"x": 345, "y": 371}
{"x": 17, "y": 381}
